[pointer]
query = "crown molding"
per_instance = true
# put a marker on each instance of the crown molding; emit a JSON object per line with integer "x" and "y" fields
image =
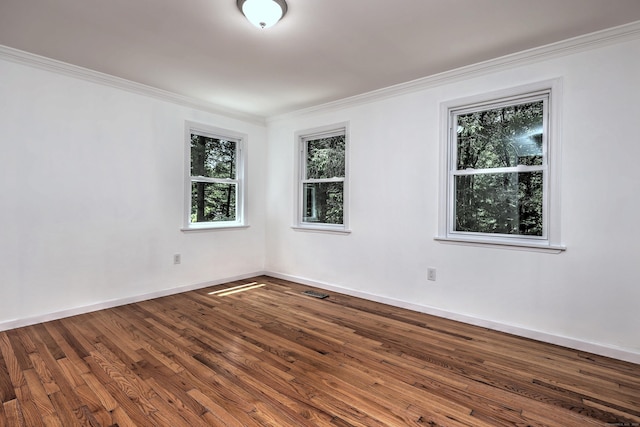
{"x": 570, "y": 46}
{"x": 59, "y": 67}
{"x": 590, "y": 41}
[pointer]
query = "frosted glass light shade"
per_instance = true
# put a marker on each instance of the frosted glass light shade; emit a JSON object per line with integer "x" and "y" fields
{"x": 263, "y": 13}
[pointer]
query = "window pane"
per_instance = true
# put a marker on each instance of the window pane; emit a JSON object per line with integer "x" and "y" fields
{"x": 323, "y": 202}
{"x": 211, "y": 202}
{"x": 325, "y": 157}
{"x": 213, "y": 157}
{"x": 502, "y": 203}
{"x": 502, "y": 137}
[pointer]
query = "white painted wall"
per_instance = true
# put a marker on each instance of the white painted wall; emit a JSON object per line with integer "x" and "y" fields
{"x": 91, "y": 197}
{"x": 587, "y": 295}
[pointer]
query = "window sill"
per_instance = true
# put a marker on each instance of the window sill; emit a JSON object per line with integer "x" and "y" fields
{"x": 213, "y": 228}
{"x": 518, "y": 246}
{"x": 319, "y": 229}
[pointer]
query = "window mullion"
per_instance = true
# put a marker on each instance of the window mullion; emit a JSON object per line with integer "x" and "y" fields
{"x": 467, "y": 126}
{"x": 215, "y": 177}
{"x": 213, "y": 180}
{"x": 516, "y": 203}
{"x": 322, "y": 193}
{"x": 319, "y": 180}
{"x": 515, "y": 169}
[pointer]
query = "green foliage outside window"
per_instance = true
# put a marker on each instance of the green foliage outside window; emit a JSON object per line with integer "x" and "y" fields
{"x": 502, "y": 202}
{"x": 324, "y": 201}
{"x": 213, "y": 161}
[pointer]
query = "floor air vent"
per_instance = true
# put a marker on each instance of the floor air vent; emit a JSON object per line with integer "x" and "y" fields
{"x": 315, "y": 294}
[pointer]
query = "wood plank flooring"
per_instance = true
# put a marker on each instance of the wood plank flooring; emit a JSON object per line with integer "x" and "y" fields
{"x": 271, "y": 356}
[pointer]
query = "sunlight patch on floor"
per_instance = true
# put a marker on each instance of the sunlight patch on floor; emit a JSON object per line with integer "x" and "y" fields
{"x": 236, "y": 289}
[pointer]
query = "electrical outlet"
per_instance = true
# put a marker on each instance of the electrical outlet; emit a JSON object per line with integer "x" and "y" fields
{"x": 177, "y": 259}
{"x": 431, "y": 274}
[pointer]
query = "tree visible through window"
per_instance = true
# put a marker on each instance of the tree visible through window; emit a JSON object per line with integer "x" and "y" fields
{"x": 214, "y": 179}
{"x": 497, "y": 181}
{"x": 323, "y": 180}
{"x": 499, "y": 173}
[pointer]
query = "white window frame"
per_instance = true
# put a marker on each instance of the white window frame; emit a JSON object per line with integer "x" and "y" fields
{"x": 301, "y": 138}
{"x": 550, "y": 240}
{"x": 239, "y": 181}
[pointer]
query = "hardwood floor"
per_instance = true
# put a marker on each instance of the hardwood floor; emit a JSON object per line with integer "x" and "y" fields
{"x": 270, "y": 355}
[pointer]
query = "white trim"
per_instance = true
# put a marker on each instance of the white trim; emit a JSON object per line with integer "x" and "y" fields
{"x": 299, "y": 145}
{"x": 497, "y": 243}
{"x": 322, "y": 229}
{"x": 240, "y": 181}
{"x": 334, "y": 179}
{"x": 595, "y": 348}
{"x": 570, "y": 46}
{"x": 511, "y": 169}
{"x": 208, "y": 227}
{"x": 18, "y": 323}
{"x": 59, "y": 67}
{"x": 551, "y": 240}
{"x": 573, "y": 343}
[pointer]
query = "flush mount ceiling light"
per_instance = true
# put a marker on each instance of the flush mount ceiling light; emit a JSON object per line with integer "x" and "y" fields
{"x": 263, "y": 13}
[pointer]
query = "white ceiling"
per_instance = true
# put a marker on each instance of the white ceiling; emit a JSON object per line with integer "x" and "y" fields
{"x": 322, "y": 50}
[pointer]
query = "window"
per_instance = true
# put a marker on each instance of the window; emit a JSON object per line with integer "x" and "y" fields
{"x": 215, "y": 190}
{"x": 322, "y": 189}
{"x": 498, "y": 171}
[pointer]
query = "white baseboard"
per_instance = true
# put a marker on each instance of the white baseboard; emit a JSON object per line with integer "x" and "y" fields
{"x": 11, "y": 324}
{"x": 603, "y": 350}
{"x": 600, "y": 349}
